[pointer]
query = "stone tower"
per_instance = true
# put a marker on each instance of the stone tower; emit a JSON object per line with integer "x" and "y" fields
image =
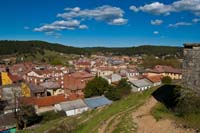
{"x": 191, "y": 66}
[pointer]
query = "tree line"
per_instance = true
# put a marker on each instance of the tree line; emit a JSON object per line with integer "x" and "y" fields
{"x": 23, "y": 47}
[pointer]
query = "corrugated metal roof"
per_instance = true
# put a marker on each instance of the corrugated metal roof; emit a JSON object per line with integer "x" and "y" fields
{"x": 141, "y": 83}
{"x": 95, "y": 102}
{"x": 70, "y": 105}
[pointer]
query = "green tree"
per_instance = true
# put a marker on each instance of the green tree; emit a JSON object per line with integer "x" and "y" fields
{"x": 56, "y": 62}
{"x": 124, "y": 87}
{"x": 26, "y": 116}
{"x": 99, "y": 86}
{"x": 112, "y": 93}
{"x": 96, "y": 87}
{"x": 166, "y": 80}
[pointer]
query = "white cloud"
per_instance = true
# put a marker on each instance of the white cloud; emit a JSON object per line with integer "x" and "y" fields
{"x": 180, "y": 24}
{"x": 83, "y": 27}
{"x": 177, "y": 6}
{"x": 119, "y": 21}
{"x": 196, "y": 20}
{"x": 134, "y": 8}
{"x": 187, "y": 5}
{"x": 156, "y": 8}
{"x": 156, "y": 32}
{"x": 103, "y": 13}
{"x": 156, "y": 22}
{"x": 75, "y": 9}
{"x": 73, "y": 18}
{"x": 59, "y": 25}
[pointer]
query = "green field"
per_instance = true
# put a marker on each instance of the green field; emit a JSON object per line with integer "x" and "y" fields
{"x": 117, "y": 113}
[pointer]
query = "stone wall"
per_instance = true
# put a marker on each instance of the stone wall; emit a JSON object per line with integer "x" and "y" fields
{"x": 191, "y": 66}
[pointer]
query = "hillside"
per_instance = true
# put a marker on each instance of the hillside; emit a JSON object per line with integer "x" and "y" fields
{"x": 102, "y": 118}
{"x": 139, "y": 50}
{"x": 130, "y": 114}
{"x": 31, "y": 47}
{"x": 27, "y": 47}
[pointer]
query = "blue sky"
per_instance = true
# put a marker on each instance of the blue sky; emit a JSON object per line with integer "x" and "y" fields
{"x": 111, "y": 23}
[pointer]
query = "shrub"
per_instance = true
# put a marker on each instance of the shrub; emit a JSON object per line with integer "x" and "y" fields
{"x": 124, "y": 88}
{"x": 188, "y": 102}
{"x": 112, "y": 93}
{"x": 99, "y": 86}
{"x": 96, "y": 87}
{"x": 166, "y": 80}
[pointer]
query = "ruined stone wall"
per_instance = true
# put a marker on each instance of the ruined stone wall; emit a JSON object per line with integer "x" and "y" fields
{"x": 191, "y": 66}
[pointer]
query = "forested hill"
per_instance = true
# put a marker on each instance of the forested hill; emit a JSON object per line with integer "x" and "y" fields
{"x": 145, "y": 49}
{"x": 25, "y": 47}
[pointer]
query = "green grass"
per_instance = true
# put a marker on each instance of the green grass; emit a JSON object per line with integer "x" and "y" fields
{"x": 124, "y": 105}
{"x": 125, "y": 125}
{"x": 189, "y": 120}
{"x": 160, "y": 112}
{"x": 49, "y": 57}
{"x": 92, "y": 120}
{"x": 51, "y": 115}
{"x": 49, "y": 119}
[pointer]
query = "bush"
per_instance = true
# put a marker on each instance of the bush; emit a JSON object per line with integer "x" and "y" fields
{"x": 96, "y": 87}
{"x": 99, "y": 86}
{"x": 121, "y": 90}
{"x": 112, "y": 93}
{"x": 166, "y": 80}
{"x": 188, "y": 102}
{"x": 124, "y": 88}
{"x": 56, "y": 62}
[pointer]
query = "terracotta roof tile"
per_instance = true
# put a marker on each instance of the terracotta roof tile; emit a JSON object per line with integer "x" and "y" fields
{"x": 44, "y": 101}
{"x": 155, "y": 78}
{"x": 168, "y": 69}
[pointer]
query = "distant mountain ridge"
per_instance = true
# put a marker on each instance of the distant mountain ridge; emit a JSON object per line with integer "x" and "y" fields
{"x": 25, "y": 47}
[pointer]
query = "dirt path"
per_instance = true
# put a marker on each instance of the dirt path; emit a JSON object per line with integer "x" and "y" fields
{"x": 147, "y": 124}
{"x": 103, "y": 128}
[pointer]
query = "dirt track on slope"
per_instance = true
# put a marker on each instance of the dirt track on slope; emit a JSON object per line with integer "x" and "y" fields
{"x": 147, "y": 124}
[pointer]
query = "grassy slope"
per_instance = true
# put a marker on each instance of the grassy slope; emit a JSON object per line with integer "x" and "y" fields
{"x": 91, "y": 121}
{"x": 122, "y": 108}
{"x": 161, "y": 112}
{"x": 48, "y": 57}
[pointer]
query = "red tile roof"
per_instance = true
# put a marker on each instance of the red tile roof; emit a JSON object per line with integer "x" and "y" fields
{"x": 49, "y": 100}
{"x": 44, "y": 101}
{"x": 81, "y": 75}
{"x": 155, "y": 78}
{"x": 166, "y": 69}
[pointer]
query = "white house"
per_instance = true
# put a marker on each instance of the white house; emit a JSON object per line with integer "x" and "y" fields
{"x": 129, "y": 73}
{"x": 113, "y": 78}
{"x": 140, "y": 85}
{"x": 105, "y": 71}
{"x": 72, "y": 107}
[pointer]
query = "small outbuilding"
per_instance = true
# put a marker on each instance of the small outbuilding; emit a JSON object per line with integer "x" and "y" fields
{"x": 95, "y": 102}
{"x": 140, "y": 85}
{"x": 72, "y": 107}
